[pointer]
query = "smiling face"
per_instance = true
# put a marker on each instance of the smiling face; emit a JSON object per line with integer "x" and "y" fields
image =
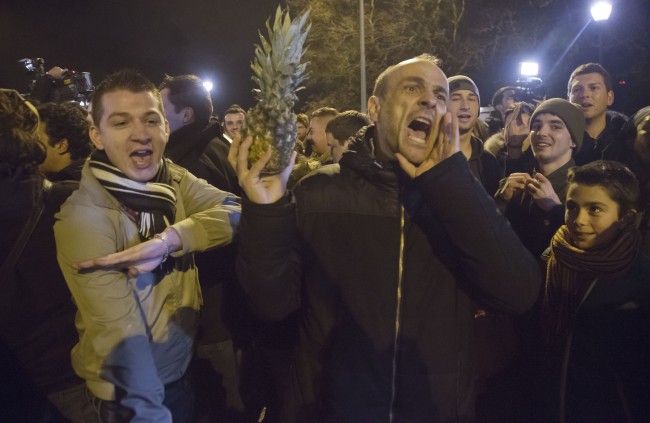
{"x": 590, "y": 214}
{"x": 590, "y": 92}
{"x": 464, "y": 104}
{"x": 133, "y": 132}
{"x": 550, "y": 139}
{"x": 415, "y": 96}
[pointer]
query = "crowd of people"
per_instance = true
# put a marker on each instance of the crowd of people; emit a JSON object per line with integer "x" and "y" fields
{"x": 412, "y": 264}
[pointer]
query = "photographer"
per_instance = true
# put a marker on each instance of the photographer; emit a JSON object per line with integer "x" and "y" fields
{"x": 45, "y": 87}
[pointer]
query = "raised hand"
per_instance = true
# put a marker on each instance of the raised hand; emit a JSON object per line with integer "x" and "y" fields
{"x": 260, "y": 188}
{"x": 443, "y": 141}
{"x": 516, "y": 181}
{"x": 542, "y": 191}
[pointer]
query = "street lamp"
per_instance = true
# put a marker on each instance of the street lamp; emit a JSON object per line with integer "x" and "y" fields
{"x": 600, "y": 11}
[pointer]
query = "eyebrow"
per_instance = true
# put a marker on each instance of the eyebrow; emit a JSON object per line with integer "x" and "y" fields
{"x": 554, "y": 120}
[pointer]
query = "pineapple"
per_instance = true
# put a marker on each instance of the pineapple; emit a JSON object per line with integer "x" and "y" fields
{"x": 278, "y": 73}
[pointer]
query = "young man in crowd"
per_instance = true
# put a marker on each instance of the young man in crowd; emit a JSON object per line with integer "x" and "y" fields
{"x": 234, "y": 120}
{"x": 341, "y": 130}
{"x": 590, "y": 86}
{"x": 465, "y": 104}
{"x": 383, "y": 257}
{"x": 63, "y": 130}
{"x": 533, "y": 201}
{"x": 124, "y": 243}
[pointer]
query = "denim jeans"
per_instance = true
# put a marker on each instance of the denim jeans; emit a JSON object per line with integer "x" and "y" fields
{"x": 179, "y": 399}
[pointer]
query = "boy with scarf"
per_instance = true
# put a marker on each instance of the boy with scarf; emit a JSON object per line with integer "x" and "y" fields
{"x": 124, "y": 243}
{"x": 597, "y": 300}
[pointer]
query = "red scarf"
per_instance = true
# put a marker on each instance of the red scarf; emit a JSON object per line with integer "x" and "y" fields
{"x": 571, "y": 270}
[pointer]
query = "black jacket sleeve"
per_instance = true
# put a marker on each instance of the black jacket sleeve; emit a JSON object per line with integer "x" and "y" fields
{"x": 491, "y": 257}
{"x": 267, "y": 266}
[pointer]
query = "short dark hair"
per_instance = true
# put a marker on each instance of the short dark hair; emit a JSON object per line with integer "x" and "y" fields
{"x": 20, "y": 147}
{"x": 591, "y": 68}
{"x": 381, "y": 83}
{"x": 324, "y": 111}
{"x": 189, "y": 91}
{"x": 615, "y": 178}
{"x": 235, "y": 108}
{"x": 128, "y": 80}
{"x": 346, "y": 124}
{"x": 67, "y": 120}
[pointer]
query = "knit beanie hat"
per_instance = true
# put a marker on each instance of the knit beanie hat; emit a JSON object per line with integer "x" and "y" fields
{"x": 462, "y": 82}
{"x": 571, "y": 114}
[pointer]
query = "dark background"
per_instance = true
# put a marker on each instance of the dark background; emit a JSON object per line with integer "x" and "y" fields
{"x": 215, "y": 39}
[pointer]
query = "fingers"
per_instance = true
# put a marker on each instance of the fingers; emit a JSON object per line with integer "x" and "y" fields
{"x": 406, "y": 165}
{"x": 242, "y": 155}
{"x": 260, "y": 164}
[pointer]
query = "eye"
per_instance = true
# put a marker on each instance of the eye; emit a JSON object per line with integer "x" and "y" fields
{"x": 153, "y": 121}
{"x": 535, "y": 127}
{"x": 411, "y": 88}
{"x": 119, "y": 123}
{"x": 441, "y": 97}
{"x": 595, "y": 210}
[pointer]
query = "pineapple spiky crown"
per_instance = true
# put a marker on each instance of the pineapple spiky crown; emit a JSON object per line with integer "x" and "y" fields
{"x": 278, "y": 73}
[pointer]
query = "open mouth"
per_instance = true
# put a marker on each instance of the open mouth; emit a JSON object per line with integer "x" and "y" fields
{"x": 141, "y": 157}
{"x": 418, "y": 130}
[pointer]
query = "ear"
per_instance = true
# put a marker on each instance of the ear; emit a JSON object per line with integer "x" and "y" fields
{"x": 61, "y": 147}
{"x": 188, "y": 115}
{"x": 167, "y": 131}
{"x": 610, "y": 98}
{"x": 95, "y": 137}
{"x": 374, "y": 107}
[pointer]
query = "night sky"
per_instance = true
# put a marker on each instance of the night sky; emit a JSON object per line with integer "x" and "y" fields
{"x": 215, "y": 39}
{"x": 212, "y": 39}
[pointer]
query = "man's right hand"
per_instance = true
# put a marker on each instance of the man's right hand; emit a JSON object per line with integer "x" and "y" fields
{"x": 57, "y": 72}
{"x": 516, "y": 181}
{"x": 261, "y": 189}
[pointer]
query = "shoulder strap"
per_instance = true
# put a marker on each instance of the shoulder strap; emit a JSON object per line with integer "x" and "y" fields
{"x": 30, "y": 224}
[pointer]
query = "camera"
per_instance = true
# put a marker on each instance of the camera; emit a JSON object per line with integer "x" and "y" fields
{"x": 72, "y": 86}
{"x": 530, "y": 90}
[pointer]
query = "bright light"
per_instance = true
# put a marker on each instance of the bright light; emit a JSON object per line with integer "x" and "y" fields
{"x": 600, "y": 11}
{"x": 208, "y": 85}
{"x": 529, "y": 69}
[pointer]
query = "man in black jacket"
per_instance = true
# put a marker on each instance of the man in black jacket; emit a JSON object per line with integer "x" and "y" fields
{"x": 199, "y": 146}
{"x": 590, "y": 86}
{"x": 383, "y": 255}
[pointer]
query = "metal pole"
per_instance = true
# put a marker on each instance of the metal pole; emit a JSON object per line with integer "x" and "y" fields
{"x": 362, "y": 58}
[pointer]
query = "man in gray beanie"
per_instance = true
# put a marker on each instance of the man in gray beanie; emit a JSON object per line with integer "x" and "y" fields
{"x": 534, "y": 202}
{"x": 465, "y": 103}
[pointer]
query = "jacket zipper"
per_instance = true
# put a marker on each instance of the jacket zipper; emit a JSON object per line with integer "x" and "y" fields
{"x": 567, "y": 356}
{"x": 398, "y": 312}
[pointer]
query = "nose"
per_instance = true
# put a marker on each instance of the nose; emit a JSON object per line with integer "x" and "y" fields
{"x": 542, "y": 131}
{"x": 139, "y": 132}
{"x": 581, "y": 217}
{"x": 464, "y": 104}
{"x": 428, "y": 100}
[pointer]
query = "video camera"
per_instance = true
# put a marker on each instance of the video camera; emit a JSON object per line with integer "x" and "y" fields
{"x": 73, "y": 86}
{"x": 530, "y": 90}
